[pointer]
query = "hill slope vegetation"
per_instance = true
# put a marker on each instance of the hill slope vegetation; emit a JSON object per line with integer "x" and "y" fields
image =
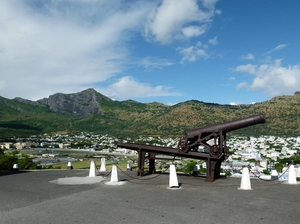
{"x": 91, "y": 111}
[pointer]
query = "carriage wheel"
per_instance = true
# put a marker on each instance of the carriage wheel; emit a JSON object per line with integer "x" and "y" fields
{"x": 182, "y": 146}
{"x": 215, "y": 151}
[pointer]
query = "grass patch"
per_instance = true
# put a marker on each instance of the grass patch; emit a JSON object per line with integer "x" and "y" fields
{"x": 85, "y": 164}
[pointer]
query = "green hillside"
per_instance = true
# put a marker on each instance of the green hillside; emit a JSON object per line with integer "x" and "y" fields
{"x": 130, "y": 118}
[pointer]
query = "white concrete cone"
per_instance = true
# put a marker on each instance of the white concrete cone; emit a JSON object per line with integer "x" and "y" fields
{"x": 92, "y": 172}
{"x": 245, "y": 181}
{"x": 196, "y": 169}
{"x": 16, "y": 167}
{"x": 114, "y": 174}
{"x": 173, "y": 181}
{"x": 129, "y": 166}
{"x": 292, "y": 175}
{"x": 274, "y": 175}
{"x": 70, "y": 167}
{"x": 103, "y": 165}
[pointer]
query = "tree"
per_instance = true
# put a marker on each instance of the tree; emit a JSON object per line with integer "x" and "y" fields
{"x": 7, "y": 161}
{"x": 278, "y": 167}
{"x": 267, "y": 172}
{"x": 190, "y": 166}
{"x": 228, "y": 173}
{"x": 26, "y": 163}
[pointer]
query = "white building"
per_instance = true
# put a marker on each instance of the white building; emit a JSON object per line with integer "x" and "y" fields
{"x": 6, "y": 145}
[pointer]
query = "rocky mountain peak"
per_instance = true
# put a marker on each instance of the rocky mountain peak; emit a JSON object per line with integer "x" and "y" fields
{"x": 79, "y": 104}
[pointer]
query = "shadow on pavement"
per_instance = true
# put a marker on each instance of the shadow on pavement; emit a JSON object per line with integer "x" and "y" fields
{"x": 5, "y": 173}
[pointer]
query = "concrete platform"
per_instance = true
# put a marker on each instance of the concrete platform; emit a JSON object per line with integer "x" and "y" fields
{"x": 40, "y": 197}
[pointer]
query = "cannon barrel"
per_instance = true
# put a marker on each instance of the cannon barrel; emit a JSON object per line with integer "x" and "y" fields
{"x": 228, "y": 126}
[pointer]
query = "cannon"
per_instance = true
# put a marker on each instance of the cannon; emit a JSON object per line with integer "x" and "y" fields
{"x": 213, "y": 137}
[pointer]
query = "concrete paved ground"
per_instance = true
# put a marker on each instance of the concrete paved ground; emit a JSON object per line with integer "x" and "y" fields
{"x": 37, "y": 197}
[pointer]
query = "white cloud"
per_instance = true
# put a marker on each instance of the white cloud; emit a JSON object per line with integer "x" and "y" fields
{"x": 199, "y": 50}
{"x": 273, "y": 78}
{"x": 127, "y": 87}
{"x": 179, "y": 19}
{"x": 192, "y": 53}
{"x": 249, "y": 68}
{"x": 154, "y": 63}
{"x": 67, "y": 46}
{"x": 241, "y": 85}
{"x": 171, "y": 103}
{"x": 247, "y": 57}
{"x": 193, "y": 31}
{"x": 2, "y": 84}
{"x": 218, "y": 12}
{"x": 64, "y": 46}
{"x": 213, "y": 41}
{"x": 210, "y": 4}
{"x": 279, "y": 47}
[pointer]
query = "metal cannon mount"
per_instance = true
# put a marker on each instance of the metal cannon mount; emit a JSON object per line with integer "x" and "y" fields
{"x": 212, "y": 138}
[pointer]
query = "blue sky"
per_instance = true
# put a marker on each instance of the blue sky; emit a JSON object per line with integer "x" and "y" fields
{"x": 168, "y": 51}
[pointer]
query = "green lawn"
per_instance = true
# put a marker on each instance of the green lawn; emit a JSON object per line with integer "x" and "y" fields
{"x": 86, "y": 164}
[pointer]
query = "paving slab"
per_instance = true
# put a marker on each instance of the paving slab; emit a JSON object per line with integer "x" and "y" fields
{"x": 69, "y": 196}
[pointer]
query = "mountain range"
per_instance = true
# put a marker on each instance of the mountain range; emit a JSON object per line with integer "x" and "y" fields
{"x": 90, "y": 111}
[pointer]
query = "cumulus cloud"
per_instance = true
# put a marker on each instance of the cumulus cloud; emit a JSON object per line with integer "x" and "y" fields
{"x": 193, "y": 31}
{"x": 128, "y": 87}
{"x": 197, "y": 51}
{"x": 192, "y": 53}
{"x": 273, "y": 78}
{"x": 179, "y": 20}
{"x": 247, "y": 57}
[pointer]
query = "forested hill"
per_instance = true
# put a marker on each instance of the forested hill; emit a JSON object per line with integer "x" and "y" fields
{"x": 91, "y": 111}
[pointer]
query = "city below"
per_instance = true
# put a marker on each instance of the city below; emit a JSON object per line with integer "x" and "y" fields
{"x": 261, "y": 155}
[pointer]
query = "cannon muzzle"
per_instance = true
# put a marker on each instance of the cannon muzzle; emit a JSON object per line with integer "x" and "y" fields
{"x": 228, "y": 126}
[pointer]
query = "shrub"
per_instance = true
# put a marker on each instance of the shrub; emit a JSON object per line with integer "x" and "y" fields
{"x": 190, "y": 166}
{"x": 7, "y": 161}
